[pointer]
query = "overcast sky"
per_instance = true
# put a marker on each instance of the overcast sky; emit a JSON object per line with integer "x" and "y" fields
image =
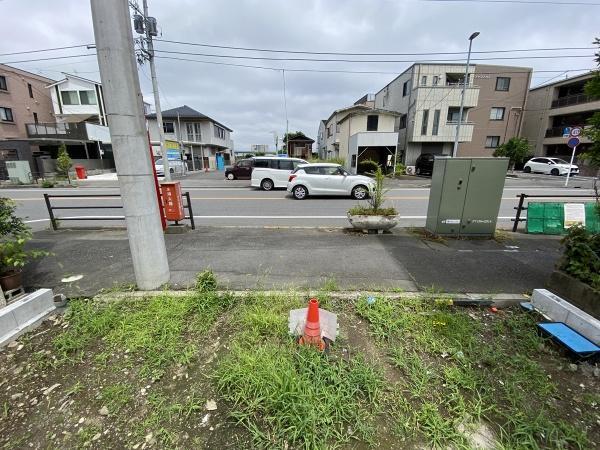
{"x": 250, "y": 101}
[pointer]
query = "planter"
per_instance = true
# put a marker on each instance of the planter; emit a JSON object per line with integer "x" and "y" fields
{"x": 576, "y": 292}
{"x": 375, "y": 223}
{"x": 11, "y": 280}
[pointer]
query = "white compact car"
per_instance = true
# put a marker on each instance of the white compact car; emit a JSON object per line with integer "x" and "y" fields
{"x": 328, "y": 179}
{"x": 273, "y": 172}
{"x": 550, "y": 166}
{"x": 176, "y": 166}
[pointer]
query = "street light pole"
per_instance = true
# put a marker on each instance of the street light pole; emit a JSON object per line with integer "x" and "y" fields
{"x": 462, "y": 95}
{"x": 122, "y": 94}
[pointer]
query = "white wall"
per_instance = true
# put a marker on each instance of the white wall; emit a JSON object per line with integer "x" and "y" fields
{"x": 73, "y": 84}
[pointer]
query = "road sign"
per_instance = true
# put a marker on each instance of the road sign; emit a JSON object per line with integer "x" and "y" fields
{"x": 566, "y": 132}
{"x": 573, "y": 142}
{"x": 575, "y": 132}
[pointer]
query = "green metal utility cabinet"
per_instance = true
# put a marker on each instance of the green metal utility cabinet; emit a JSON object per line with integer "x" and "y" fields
{"x": 465, "y": 196}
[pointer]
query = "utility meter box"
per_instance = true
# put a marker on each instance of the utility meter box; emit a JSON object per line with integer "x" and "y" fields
{"x": 465, "y": 196}
{"x": 19, "y": 171}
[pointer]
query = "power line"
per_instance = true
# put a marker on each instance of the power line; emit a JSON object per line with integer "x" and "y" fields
{"x": 304, "y": 52}
{"x": 529, "y": 2}
{"x": 48, "y": 59}
{"x": 45, "y": 50}
{"x": 268, "y": 58}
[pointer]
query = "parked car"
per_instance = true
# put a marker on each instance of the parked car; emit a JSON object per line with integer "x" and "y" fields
{"x": 175, "y": 167}
{"x": 551, "y": 166}
{"x": 241, "y": 170}
{"x": 273, "y": 172}
{"x": 327, "y": 179}
{"x": 424, "y": 164}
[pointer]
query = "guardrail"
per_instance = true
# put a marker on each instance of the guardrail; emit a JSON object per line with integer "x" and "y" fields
{"x": 54, "y": 220}
{"x": 522, "y": 208}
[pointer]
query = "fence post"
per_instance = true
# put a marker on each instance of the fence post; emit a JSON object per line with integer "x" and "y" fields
{"x": 189, "y": 204}
{"x": 50, "y": 213}
{"x": 519, "y": 209}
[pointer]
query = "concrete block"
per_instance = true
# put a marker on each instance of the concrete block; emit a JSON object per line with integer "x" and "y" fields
{"x": 560, "y": 310}
{"x": 24, "y": 314}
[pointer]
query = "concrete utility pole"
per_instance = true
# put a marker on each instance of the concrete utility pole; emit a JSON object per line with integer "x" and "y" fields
{"x": 462, "y": 96}
{"x": 119, "y": 76}
{"x": 159, "y": 121}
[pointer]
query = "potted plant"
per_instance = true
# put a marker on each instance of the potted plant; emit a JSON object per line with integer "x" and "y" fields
{"x": 374, "y": 217}
{"x": 14, "y": 234}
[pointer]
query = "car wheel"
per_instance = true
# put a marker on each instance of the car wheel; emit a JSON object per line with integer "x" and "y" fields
{"x": 555, "y": 172}
{"x": 230, "y": 176}
{"x": 527, "y": 169}
{"x": 360, "y": 192}
{"x": 299, "y": 192}
{"x": 266, "y": 184}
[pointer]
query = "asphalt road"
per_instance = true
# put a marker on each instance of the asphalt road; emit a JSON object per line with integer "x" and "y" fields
{"x": 218, "y": 202}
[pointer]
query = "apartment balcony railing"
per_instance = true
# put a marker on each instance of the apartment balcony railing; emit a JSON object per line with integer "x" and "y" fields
{"x": 192, "y": 137}
{"x": 61, "y": 131}
{"x": 556, "y": 131}
{"x": 571, "y": 100}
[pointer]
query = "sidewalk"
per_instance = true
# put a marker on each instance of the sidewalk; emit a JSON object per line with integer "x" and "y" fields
{"x": 260, "y": 258}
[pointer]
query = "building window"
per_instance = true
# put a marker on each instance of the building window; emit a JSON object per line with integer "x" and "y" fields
{"x": 30, "y": 88}
{"x": 436, "y": 80}
{"x": 3, "y": 86}
{"x": 372, "y": 123}
{"x": 87, "y": 97}
{"x": 497, "y": 113}
{"x": 424, "y": 123}
{"x": 193, "y": 132}
{"x": 168, "y": 127}
{"x": 424, "y": 80}
{"x": 329, "y": 131}
{"x": 502, "y": 83}
{"x": 436, "y": 122}
{"x": 353, "y": 161}
{"x": 405, "y": 88}
{"x": 402, "y": 124}
{"x": 6, "y": 114}
{"x": 492, "y": 141}
{"x": 453, "y": 113}
{"x": 35, "y": 117}
{"x": 69, "y": 97}
{"x": 219, "y": 132}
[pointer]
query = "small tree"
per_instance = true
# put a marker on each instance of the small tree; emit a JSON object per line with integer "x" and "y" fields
{"x": 63, "y": 162}
{"x": 293, "y": 135}
{"x": 516, "y": 149}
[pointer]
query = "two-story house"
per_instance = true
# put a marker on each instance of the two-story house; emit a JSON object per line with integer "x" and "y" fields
{"x": 23, "y": 100}
{"x": 201, "y": 139}
{"x": 428, "y": 97}
{"x": 553, "y": 107}
{"x": 360, "y": 132}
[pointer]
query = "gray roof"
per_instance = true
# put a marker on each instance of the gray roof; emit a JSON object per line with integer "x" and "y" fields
{"x": 185, "y": 112}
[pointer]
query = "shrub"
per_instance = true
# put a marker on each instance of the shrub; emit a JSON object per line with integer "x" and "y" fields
{"x": 400, "y": 169}
{"x": 581, "y": 258}
{"x": 206, "y": 281}
{"x": 376, "y": 200}
{"x": 48, "y": 184}
{"x": 63, "y": 162}
{"x": 368, "y": 166}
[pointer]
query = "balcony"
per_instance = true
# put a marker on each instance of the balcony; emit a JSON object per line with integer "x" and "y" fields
{"x": 571, "y": 100}
{"x": 69, "y": 131}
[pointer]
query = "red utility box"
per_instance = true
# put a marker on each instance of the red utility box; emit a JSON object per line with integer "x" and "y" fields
{"x": 81, "y": 172}
{"x": 172, "y": 200}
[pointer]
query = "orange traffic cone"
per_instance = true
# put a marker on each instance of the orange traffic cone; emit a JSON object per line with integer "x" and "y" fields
{"x": 312, "y": 329}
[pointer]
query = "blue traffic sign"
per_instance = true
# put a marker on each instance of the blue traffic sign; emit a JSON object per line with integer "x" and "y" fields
{"x": 573, "y": 142}
{"x": 566, "y": 132}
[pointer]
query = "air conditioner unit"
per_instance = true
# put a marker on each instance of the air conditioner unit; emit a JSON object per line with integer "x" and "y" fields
{"x": 19, "y": 171}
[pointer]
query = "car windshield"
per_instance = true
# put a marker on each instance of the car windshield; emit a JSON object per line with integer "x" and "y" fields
{"x": 158, "y": 162}
{"x": 558, "y": 161}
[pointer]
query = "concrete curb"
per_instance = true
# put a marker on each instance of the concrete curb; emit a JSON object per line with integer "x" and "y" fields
{"x": 25, "y": 314}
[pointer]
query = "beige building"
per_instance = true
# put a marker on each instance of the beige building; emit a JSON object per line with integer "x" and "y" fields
{"x": 23, "y": 100}
{"x": 428, "y": 96}
{"x": 554, "y": 107}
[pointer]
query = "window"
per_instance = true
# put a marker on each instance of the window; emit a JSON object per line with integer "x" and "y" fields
{"x": 424, "y": 80}
{"x": 193, "y": 132}
{"x": 168, "y": 127}
{"x": 497, "y": 113}
{"x": 372, "y": 123}
{"x": 219, "y": 132}
{"x": 285, "y": 164}
{"x": 35, "y": 117}
{"x": 69, "y": 97}
{"x": 3, "y": 86}
{"x": 405, "y": 88}
{"x": 492, "y": 141}
{"x": 402, "y": 125}
{"x": 329, "y": 171}
{"x": 436, "y": 80}
{"x": 263, "y": 163}
{"x": 453, "y": 113}
{"x": 87, "y": 97}
{"x": 30, "y": 88}
{"x": 6, "y": 114}
{"x": 329, "y": 131}
{"x": 244, "y": 163}
{"x": 424, "y": 123}
{"x": 436, "y": 122}
{"x": 353, "y": 161}
{"x": 502, "y": 83}
{"x": 311, "y": 170}
{"x": 297, "y": 162}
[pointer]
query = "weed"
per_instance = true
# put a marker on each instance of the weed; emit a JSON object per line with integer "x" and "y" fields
{"x": 330, "y": 285}
{"x": 74, "y": 389}
{"x": 206, "y": 281}
{"x": 116, "y": 396}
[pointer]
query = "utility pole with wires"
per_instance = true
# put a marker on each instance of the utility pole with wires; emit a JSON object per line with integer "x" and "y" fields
{"x": 287, "y": 124}
{"x": 147, "y": 25}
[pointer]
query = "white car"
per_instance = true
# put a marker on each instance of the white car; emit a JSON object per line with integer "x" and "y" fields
{"x": 175, "y": 167}
{"x": 550, "y": 166}
{"x": 273, "y": 172}
{"x": 327, "y": 179}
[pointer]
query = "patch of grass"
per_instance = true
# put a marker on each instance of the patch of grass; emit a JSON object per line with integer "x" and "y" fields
{"x": 206, "y": 281}
{"x": 116, "y": 396}
{"x": 330, "y": 285}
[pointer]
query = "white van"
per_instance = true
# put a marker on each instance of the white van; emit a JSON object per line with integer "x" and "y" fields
{"x": 273, "y": 172}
